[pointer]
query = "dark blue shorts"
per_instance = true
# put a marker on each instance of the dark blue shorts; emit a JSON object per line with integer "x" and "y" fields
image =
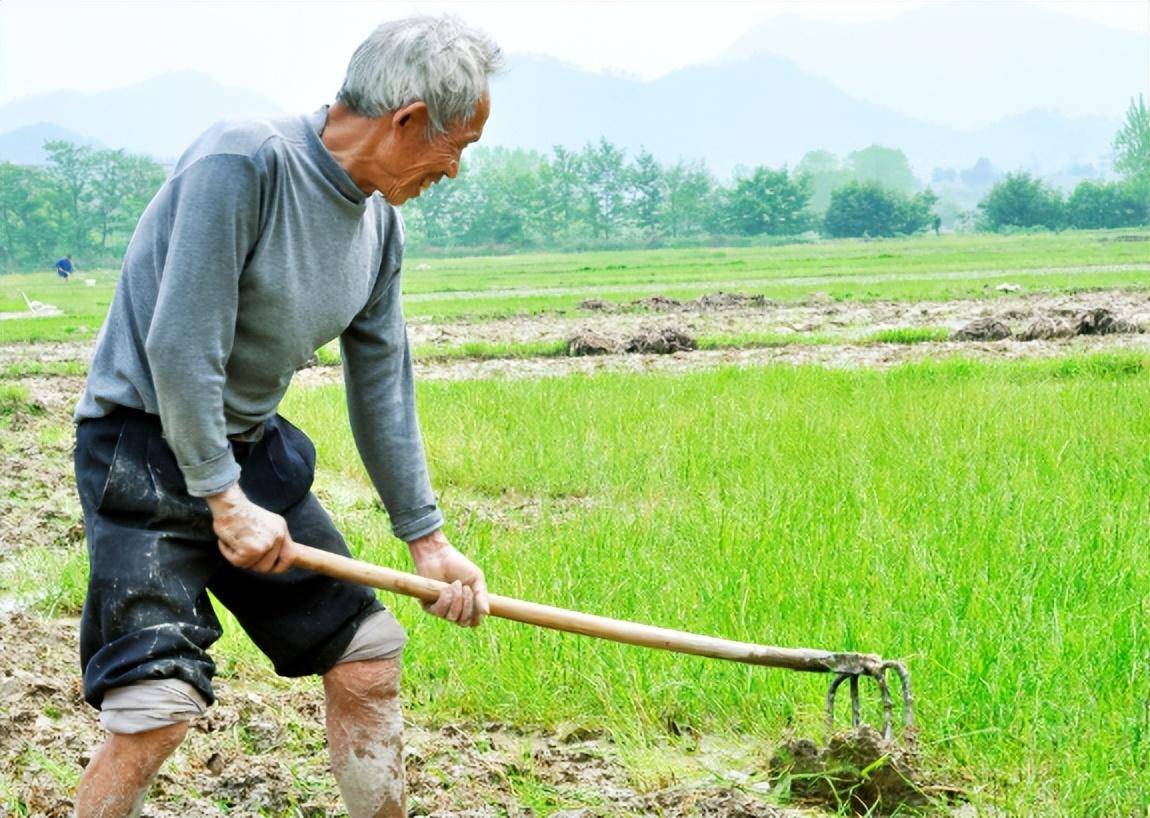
{"x": 153, "y": 558}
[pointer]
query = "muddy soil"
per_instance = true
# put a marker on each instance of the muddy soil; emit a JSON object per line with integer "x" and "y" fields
{"x": 261, "y": 747}
{"x": 734, "y": 316}
{"x": 611, "y": 330}
{"x": 861, "y": 770}
{"x": 837, "y": 356}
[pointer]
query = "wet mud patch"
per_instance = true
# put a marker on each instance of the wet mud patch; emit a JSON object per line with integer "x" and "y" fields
{"x": 261, "y": 751}
{"x": 589, "y": 342}
{"x": 983, "y": 329}
{"x": 733, "y": 314}
{"x": 859, "y": 771}
{"x": 660, "y": 341}
{"x": 40, "y": 507}
{"x": 1059, "y": 323}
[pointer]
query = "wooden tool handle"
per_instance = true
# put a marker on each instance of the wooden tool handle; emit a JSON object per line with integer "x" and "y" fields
{"x": 615, "y": 630}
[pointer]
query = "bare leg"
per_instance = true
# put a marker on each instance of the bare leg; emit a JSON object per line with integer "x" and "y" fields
{"x": 365, "y": 737}
{"x": 117, "y": 778}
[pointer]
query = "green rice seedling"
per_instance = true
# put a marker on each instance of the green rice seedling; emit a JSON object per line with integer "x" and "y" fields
{"x": 14, "y": 399}
{"x": 64, "y": 596}
{"x": 908, "y": 335}
{"x": 986, "y": 522}
{"x": 486, "y": 350}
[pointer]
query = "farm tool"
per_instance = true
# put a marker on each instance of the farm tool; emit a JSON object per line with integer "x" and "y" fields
{"x": 845, "y": 667}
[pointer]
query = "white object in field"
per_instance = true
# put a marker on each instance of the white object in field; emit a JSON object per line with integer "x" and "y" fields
{"x": 36, "y": 309}
{"x": 91, "y": 282}
{"x": 1008, "y": 288}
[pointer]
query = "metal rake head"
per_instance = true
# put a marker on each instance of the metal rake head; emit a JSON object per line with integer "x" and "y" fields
{"x": 878, "y": 672}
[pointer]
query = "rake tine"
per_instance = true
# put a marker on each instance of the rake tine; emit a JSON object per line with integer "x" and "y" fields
{"x": 907, "y": 698}
{"x": 887, "y": 707}
{"x": 838, "y": 680}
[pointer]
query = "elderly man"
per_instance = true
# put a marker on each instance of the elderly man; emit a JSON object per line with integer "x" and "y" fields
{"x": 268, "y": 241}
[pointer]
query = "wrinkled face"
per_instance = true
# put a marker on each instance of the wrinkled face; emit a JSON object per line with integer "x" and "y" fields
{"x": 415, "y": 160}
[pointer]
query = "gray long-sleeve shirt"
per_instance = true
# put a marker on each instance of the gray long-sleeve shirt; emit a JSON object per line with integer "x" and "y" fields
{"x": 256, "y": 252}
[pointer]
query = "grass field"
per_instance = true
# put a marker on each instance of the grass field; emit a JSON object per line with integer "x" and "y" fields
{"x": 906, "y": 269}
{"x": 989, "y": 523}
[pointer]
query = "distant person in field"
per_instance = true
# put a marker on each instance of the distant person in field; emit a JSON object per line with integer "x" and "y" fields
{"x": 64, "y": 267}
{"x": 269, "y": 240}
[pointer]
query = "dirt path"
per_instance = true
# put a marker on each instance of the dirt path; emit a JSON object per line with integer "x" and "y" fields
{"x": 841, "y": 356}
{"x": 820, "y": 316}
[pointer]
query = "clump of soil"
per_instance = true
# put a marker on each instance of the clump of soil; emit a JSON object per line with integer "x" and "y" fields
{"x": 1093, "y": 321}
{"x": 1101, "y": 321}
{"x": 662, "y": 341}
{"x": 1044, "y": 328}
{"x": 704, "y": 303}
{"x": 598, "y": 305}
{"x": 858, "y": 769}
{"x": 727, "y": 301}
{"x": 657, "y": 303}
{"x": 589, "y": 342}
{"x": 982, "y": 329}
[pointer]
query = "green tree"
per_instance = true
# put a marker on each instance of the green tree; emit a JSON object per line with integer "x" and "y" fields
{"x": 72, "y": 168}
{"x": 871, "y": 209}
{"x": 440, "y": 217}
{"x": 1021, "y": 200}
{"x": 560, "y": 212}
{"x": 506, "y": 192}
{"x": 916, "y": 213}
{"x": 27, "y": 230}
{"x": 1132, "y": 146}
{"x": 604, "y": 174}
{"x": 121, "y": 186}
{"x": 648, "y": 192}
{"x": 1095, "y": 205}
{"x": 824, "y": 173}
{"x": 768, "y": 201}
{"x": 690, "y": 202}
{"x": 884, "y": 166}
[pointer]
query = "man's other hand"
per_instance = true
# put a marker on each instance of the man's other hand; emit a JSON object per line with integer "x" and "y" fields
{"x": 250, "y": 536}
{"x": 464, "y": 601}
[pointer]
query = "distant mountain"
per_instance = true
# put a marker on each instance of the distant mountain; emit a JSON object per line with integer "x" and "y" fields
{"x": 158, "y": 117}
{"x": 24, "y": 146}
{"x": 761, "y": 110}
{"x": 966, "y": 63}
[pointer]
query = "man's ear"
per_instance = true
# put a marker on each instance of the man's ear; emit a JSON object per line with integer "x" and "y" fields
{"x": 413, "y": 114}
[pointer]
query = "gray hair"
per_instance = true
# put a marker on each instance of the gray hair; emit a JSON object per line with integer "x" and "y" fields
{"x": 437, "y": 60}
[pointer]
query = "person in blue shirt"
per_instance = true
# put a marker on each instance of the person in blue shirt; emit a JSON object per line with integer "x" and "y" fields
{"x": 64, "y": 267}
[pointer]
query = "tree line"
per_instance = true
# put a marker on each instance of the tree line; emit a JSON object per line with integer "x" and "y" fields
{"x": 1024, "y": 201}
{"x": 86, "y": 201}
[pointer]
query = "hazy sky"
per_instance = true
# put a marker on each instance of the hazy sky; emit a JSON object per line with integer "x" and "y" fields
{"x": 295, "y": 51}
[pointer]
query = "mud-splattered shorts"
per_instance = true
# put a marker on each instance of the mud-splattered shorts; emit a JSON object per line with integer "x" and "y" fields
{"x": 154, "y": 557}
